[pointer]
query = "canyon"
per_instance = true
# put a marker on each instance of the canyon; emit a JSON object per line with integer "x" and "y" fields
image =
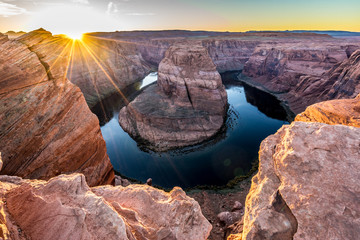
{"x": 47, "y": 129}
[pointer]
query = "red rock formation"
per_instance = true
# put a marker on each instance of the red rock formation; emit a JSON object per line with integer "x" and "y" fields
{"x": 306, "y": 187}
{"x": 186, "y": 107}
{"x": 342, "y": 111}
{"x": 66, "y": 208}
{"x": 46, "y": 127}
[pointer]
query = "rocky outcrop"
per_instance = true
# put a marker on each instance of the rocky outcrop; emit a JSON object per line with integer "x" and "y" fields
{"x": 287, "y": 199}
{"x": 46, "y": 126}
{"x": 65, "y": 207}
{"x": 187, "y": 106}
{"x": 342, "y": 111}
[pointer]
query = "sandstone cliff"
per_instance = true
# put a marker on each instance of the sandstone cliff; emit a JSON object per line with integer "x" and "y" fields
{"x": 187, "y": 106}
{"x": 46, "y": 127}
{"x": 306, "y": 187}
{"x": 304, "y": 73}
{"x": 65, "y": 207}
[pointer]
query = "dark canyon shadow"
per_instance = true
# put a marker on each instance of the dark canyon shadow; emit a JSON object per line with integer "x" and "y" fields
{"x": 252, "y": 116}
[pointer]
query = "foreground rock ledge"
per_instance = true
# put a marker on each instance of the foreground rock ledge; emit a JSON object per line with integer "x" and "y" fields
{"x": 66, "y": 208}
{"x": 307, "y": 186}
{"x": 187, "y": 106}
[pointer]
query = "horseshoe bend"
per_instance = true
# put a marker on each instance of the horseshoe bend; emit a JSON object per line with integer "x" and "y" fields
{"x": 177, "y": 134}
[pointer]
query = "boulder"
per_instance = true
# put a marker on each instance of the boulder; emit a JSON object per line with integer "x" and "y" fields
{"x": 65, "y": 207}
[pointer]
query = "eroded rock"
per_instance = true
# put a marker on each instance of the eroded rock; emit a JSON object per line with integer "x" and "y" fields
{"x": 46, "y": 127}
{"x": 187, "y": 106}
{"x": 306, "y": 187}
{"x": 65, "y": 207}
{"x": 342, "y": 111}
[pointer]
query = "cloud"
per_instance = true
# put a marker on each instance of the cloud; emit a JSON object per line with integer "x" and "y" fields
{"x": 140, "y": 14}
{"x": 7, "y": 10}
{"x": 111, "y": 8}
{"x": 81, "y": 1}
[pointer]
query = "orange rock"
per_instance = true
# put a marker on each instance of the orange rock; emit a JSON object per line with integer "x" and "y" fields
{"x": 46, "y": 127}
{"x": 342, "y": 111}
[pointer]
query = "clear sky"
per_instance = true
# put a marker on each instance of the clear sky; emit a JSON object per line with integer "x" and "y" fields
{"x": 78, "y": 16}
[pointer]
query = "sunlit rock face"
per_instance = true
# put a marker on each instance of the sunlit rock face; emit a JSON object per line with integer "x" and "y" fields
{"x": 342, "y": 111}
{"x": 307, "y": 184}
{"x": 187, "y": 106}
{"x": 65, "y": 207}
{"x": 102, "y": 66}
{"x": 46, "y": 126}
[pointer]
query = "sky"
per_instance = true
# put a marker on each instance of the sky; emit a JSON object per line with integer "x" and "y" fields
{"x": 80, "y": 16}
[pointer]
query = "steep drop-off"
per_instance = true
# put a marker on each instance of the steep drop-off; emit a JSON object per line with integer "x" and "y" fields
{"x": 46, "y": 126}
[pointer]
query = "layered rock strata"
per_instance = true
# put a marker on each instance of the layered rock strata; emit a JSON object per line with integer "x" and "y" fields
{"x": 287, "y": 199}
{"x": 187, "y": 106}
{"x": 341, "y": 81}
{"x": 46, "y": 126}
{"x": 65, "y": 207}
{"x": 305, "y": 73}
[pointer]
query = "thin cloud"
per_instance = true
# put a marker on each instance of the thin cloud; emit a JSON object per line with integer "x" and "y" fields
{"x": 81, "y": 1}
{"x": 112, "y": 8}
{"x": 140, "y": 14}
{"x": 7, "y": 10}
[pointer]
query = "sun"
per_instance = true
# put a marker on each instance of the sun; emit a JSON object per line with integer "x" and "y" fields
{"x": 75, "y": 36}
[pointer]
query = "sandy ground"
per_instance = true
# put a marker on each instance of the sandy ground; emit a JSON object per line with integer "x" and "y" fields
{"x": 214, "y": 202}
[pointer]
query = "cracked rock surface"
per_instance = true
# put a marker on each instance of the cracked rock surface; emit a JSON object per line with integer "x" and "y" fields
{"x": 307, "y": 184}
{"x": 65, "y": 207}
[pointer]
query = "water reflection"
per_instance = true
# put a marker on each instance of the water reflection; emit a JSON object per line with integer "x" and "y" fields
{"x": 230, "y": 153}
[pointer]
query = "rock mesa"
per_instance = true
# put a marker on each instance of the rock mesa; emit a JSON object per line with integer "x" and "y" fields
{"x": 187, "y": 106}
